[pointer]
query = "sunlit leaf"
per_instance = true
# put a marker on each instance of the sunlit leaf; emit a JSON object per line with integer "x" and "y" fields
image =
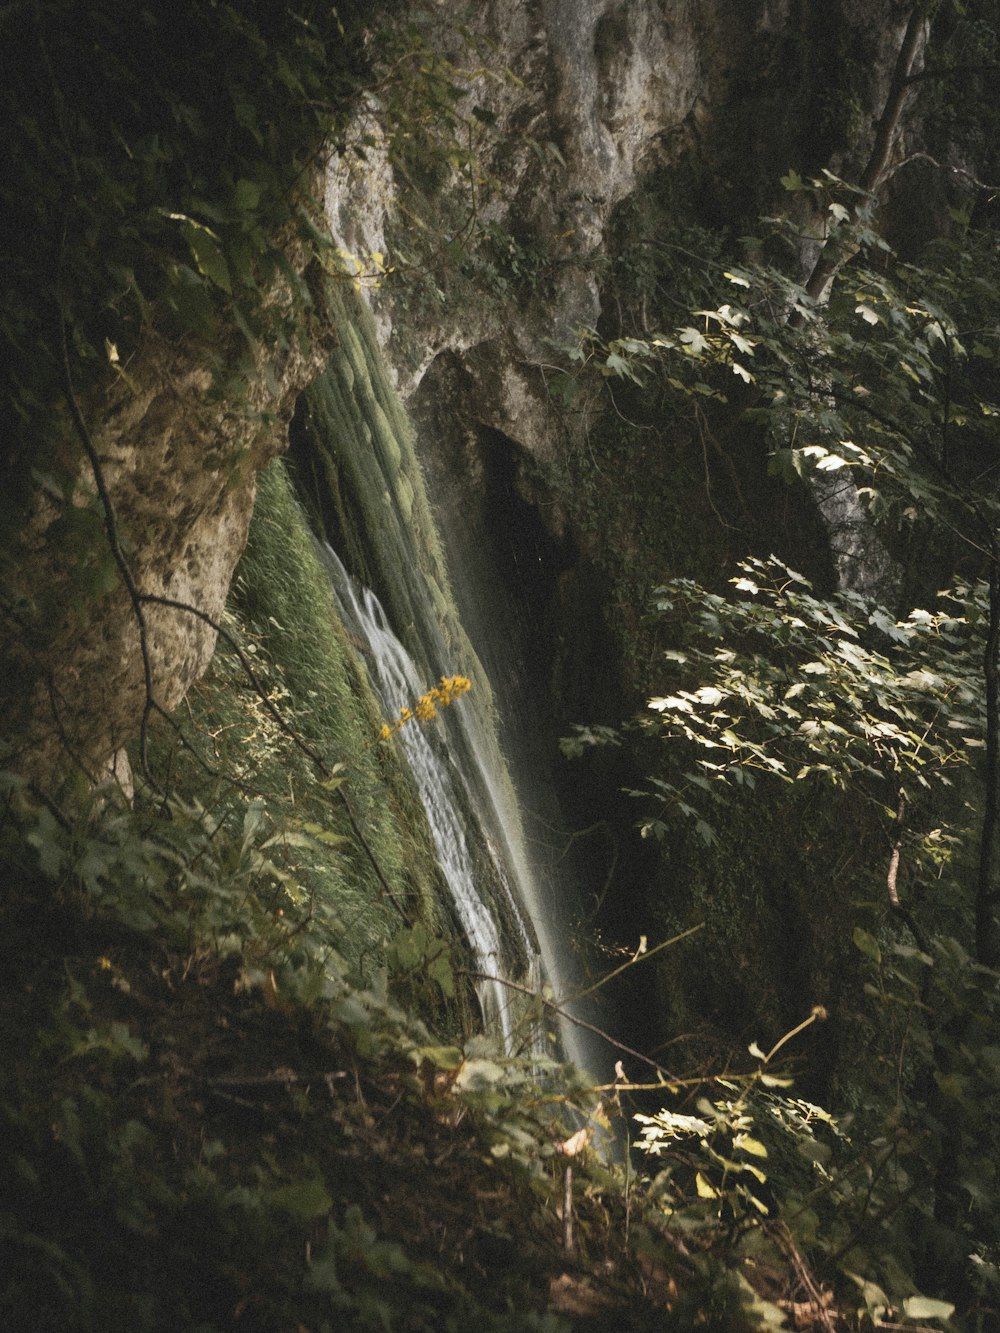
{"x": 748, "y": 1144}
{"x": 706, "y": 1190}
{"x": 924, "y": 1307}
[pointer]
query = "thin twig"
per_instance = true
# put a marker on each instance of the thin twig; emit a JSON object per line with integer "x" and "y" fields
{"x": 557, "y": 1008}
{"x": 140, "y": 600}
{"x": 640, "y": 957}
{"x": 118, "y": 555}
{"x": 567, "y": 1208}
{"x": 897, "y": 846}
{"x": 366, "y": 848}
{"x": 64, "y": 822}
{"x": 284, "y": 725}
{"x": 783, "y": 1237}
{"x": 888, "y": 125}
{"x": 277, "y": 1077}
{"x": 892, "y": 874}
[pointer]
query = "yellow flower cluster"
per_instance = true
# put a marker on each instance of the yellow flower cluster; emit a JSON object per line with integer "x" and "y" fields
{"x": 446, "y": 692}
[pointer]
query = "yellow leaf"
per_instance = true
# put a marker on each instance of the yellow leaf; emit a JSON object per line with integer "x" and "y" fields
{"x": 706, "y": 1190}
{"x": 575, "y": 1143}
{"x": 750, "y": 1145}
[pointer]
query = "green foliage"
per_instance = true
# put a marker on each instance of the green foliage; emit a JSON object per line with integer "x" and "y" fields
{"x": 439, "y": 136}
{"x": 885, "y": 387}
{"x": 191, "y": 985}
{"x": 158, "y": 159}
{"x": 891, "y": 378}
{"x": 938, "y": 1013}
{"x": 203, "y": 1098}
{"x": 764, "y": 1168}
{"x": 511, "y": 264}
{"x": 796, "y": 687}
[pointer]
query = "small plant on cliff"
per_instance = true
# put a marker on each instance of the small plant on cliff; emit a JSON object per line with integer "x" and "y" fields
{"x": 425, "y": 708}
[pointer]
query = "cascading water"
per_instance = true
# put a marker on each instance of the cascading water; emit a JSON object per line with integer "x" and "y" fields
{"x": 354, "y": 459}
{"x": 399, "y": 684}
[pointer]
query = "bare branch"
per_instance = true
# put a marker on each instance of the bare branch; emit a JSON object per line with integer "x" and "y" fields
{"x": 897, "y": 846}
{"x": 118, "y": 555}
{"x": 558, "y": 1008}
{"x": 888, "y": 126}
{"x": 892, "y": 874}
{"x": 987, "y": 892}
{"x": 966, "y": 175}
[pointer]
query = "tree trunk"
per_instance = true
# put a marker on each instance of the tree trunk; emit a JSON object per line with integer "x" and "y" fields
{"x": 841, "y": 246}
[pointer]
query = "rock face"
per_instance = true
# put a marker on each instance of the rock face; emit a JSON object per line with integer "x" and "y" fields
{"x": 587, "y": 98}
{"x": 592, "y": 101}
{"x": 589, "y": 95}
{"x": 582, "y": 94}
{"x": 84, "y": 665}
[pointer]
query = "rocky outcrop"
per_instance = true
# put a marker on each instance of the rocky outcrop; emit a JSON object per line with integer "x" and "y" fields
{"x": 589, "y": 97}
{"x": 582, "y": 94}
{"x": 593, "y": 100}
{"x": 85, "y": 663}
{"x": 585, "y": 99}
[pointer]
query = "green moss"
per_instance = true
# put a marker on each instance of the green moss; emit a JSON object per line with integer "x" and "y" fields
{"x": 359, "y": 477}
{"x": 286, "y": 618}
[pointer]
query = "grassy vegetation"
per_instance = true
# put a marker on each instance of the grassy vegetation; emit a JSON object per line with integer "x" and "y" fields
{"x": 284, "y": 616}
{"x": 211, "y": 1122}
{"x": 197, "y": 1098}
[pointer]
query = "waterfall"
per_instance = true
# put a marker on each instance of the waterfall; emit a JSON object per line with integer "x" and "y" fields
{"x": 399, "y": 685}
{"x": 353, "y": 455}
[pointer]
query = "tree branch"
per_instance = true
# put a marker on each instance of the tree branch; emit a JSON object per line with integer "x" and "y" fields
{"x": 892, "y": 874}
{"x": 841, "y": 245}
{"x": 987, "y": 895}
{"x": 885, "y": 133}
{"x": 114, "y": 544}
{"x": 897, "y": 846}
{"x": 945, "y": 166}
{"x": 557, "y": 1008}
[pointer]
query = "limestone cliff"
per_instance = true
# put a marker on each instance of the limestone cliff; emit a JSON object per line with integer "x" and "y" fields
{"x": 157, "y": 321}
{"x": 576, "y": 107}
{"x": 588, "y": 100}
{"x": 87, "y": 657}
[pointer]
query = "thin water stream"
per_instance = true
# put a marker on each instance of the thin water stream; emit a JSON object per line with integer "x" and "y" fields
{"x": 398, "y": 681}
